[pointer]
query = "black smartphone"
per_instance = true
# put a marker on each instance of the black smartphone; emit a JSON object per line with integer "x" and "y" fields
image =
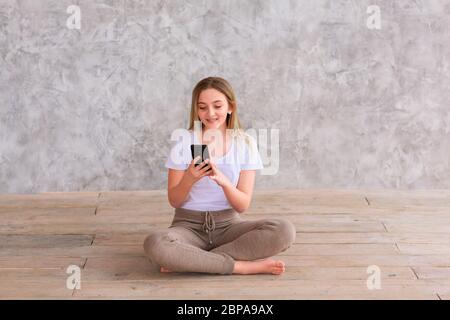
{"x": 200, "y": 150}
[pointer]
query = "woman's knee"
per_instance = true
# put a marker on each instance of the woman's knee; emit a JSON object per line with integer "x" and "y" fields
{"x": 152, "y": 242}
{"x": 286, "y": 232}
{"x": 158, "y": 243}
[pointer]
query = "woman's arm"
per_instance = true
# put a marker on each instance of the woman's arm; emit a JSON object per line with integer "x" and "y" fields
{"x": 178, "y": 187}
{"x": 240, "y": 197}
{"x": 180, "y": 182}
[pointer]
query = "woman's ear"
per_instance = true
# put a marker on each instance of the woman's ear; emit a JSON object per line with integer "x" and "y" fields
{"x": 231, "y": 108}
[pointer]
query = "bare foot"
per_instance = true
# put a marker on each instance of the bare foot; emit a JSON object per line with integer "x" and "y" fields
{"x": 259, "y": 266}
{"x": 164, "y": 270}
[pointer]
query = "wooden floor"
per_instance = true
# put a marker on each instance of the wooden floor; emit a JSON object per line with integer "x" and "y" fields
{"x": 340, "y": 233}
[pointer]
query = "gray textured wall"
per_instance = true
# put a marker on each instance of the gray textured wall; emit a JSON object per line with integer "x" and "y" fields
{"x": 93, "y": 109}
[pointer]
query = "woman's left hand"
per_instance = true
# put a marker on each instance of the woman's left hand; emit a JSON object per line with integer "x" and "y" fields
{"x": 217, "y": 175}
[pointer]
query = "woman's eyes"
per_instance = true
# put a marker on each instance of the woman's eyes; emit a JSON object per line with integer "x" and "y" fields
{"x": 203, "y": 108}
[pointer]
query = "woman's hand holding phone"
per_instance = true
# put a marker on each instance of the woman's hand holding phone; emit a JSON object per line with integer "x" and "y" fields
{"x": 218, "y": 176}
{"x": 195, "y": 173}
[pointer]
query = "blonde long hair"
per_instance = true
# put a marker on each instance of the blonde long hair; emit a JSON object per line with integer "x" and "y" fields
{"x": 232, "y": 121}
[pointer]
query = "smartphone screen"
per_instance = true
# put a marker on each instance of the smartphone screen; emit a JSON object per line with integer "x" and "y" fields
{"x": 200, "y": 150}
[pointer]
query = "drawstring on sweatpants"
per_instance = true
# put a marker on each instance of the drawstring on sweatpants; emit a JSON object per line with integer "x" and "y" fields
{"x": 209, "y": 225}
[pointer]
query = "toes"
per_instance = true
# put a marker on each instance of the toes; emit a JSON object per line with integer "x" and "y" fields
{"x": 279, "y": 267}
{"x": 278, "y": 271}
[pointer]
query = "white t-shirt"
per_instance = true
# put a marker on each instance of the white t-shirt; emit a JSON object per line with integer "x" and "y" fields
{"x": 206, "y": 194}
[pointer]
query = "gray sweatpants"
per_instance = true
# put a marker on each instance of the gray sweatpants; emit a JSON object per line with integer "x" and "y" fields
{"x": 211, "y": 241}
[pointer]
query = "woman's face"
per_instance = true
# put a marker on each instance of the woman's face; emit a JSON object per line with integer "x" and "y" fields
{"x": 212, "y": 107}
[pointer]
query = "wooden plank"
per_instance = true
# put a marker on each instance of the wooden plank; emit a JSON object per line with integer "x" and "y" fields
{"x": 287, "y": 202}
{"x": 368, "y": 237}
{"x": 259, "y": 207}
{"x": 76, "y": 228}
{"x": 340, "y": 249}
{"x": 409, "y": 198}
{"x": 88, "y": 220}
{"x": 125, "y": 195}
{"x": 325, "y": 201}
{"x": 298, "y": 289}
{"x": 367, "y": 260}
{"x": 139, "y": 268}
{"x": 307, "y": 218}
{"x": 137, "y": 210}
{"x": 424, "y": 227}
{"x": 236, "y": 282}
{"x": 34, "y": 283}
{"x": 33, "y": 274}
{"x": 120, "y": 268}
{"x": 43, "y": 241}
{"x": 42, "y": 289}
{"x": 20, "y": 214}
{"x": 331, "y": 209}
{"x": 394, "y": 221}
{"x": 136, "y": 203}
{"x": 40, "y": 262}
{"x": 424, "y": 249}
{"x": 296, "y": 201}
{"x": 432, "y": 272}
{"x": 114, "y": 239}
{"x": 48, "y": 200}
{"x": 443, "y": 296}
{"x": 83, "y": 251}
{"x": 431, "y": 219}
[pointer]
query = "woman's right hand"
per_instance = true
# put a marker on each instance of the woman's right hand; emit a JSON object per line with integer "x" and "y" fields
{"x": 194, "y": 173}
